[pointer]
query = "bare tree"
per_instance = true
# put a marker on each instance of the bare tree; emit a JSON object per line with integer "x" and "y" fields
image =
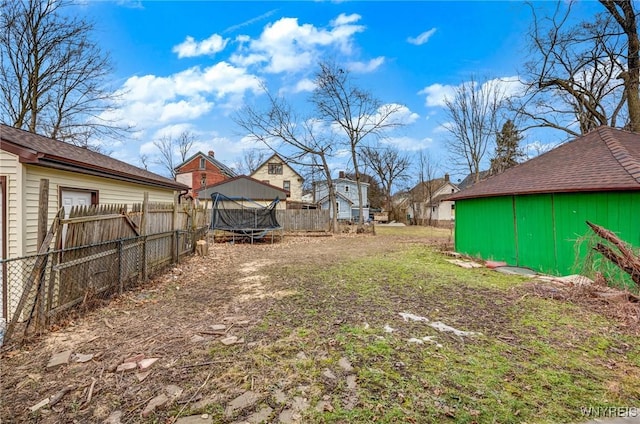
{"x": 422, "y": 195}
{"x": 356, "y": 112}
{"x": 472, "y": 114}
{"x": 281, "y": 129}
{"x": 166, "y": 156}
{"x": 144, "y": 161}
{"x": 389, "y": 165}
{"x": 581, "y": 75}
{"x": 625, "y": 15}
{"x": 52, "y": 75}
{"x": 184, "y": 142}
{"x": 250, "y": 161}
{"x": 168, "y": 147}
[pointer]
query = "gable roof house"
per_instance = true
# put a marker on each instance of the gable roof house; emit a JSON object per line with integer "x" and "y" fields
{"x": 533, "y": 215}
{"x": 244, "y": 190}
{"x": 77, "y": 176}
{"x": 427, "y": 204}
{"x": 276, "y": 172}
{"x": 346, "y": 197}
{"x": 201, "y": 170}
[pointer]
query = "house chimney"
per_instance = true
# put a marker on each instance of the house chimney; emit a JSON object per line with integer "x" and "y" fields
{"x": 341, "y": 174}
{"x": 446, "y": 178}
{"x": 212, "y": 153}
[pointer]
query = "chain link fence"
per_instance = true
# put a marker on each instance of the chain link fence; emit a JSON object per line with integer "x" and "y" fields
{"x": 38, "y": 289}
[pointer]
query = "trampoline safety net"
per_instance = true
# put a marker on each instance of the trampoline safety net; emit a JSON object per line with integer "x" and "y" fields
{"x": 243, "y": 216}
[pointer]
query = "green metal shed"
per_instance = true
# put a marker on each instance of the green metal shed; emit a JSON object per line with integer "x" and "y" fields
{"x": 533, "y": 215}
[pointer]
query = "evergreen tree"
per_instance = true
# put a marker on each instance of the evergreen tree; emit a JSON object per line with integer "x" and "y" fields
{"x": 508, "y": 152}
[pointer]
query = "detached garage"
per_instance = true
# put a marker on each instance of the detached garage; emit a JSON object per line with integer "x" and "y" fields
{"x": 533, "y": 215}
{"x": 77, "y": 176}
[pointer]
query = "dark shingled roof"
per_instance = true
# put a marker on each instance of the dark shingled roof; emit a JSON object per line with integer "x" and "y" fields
{"x": 226, "y": 171}
{"x": 39, "y": 150}
{"x": 242, "y": 186}
{"x": 606, "y": 159}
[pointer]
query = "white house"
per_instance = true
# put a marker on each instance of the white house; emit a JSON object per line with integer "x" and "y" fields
{"x": 276, "y": 172}
{"x": 427, "y": 204}
{"x": 346, "y": 197}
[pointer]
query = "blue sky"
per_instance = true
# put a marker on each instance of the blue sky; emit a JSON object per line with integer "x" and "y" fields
{"x": 190, "y": 65}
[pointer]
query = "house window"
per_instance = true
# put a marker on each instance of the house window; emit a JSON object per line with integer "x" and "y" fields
{"x": 346, "y": 189}
{"x": 433, "y": 209}
{"x": 453, "y": 190}
{"x": 202, "y": 163}
{"x": 338, "y": 206}
{"x": 286, "y": 185}
{"x": 453, "y": 206}
{"x": 203, "y": 180}
{"x": 275, "y": 168}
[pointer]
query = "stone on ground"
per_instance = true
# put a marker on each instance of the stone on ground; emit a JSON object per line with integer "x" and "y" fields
{"x": 244, "y": 401}
{"x": 60, "y": 358}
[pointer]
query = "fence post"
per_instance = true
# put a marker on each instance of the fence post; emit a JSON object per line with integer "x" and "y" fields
{"x": 43, "y": 218}
{"x": 176, "y": 238}
{"x": 174, "y": 224}
{"x": 143, "y": 233}
{"x": 120, "y": 267}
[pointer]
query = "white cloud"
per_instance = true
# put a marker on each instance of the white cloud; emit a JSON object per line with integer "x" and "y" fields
{"x": 304, "y": 85}
{"x": 185, "y": 109}
{"x": 192, "y": 48}
{"x": 403, "y": 114}
{"x": 410, "y": 144}
{"x": 343, "y": 19}
{"x": 437, "y": 93}
{"x": 394, "y": 113}
{"x": 148, "y": 88}
{"x": 536, "y": 148}
{"x": 250, "y": 21}
{"x": 287, "y": 46}
{"x": 184, "y": 95}
{"x": 366, "y": 67}
{"x": 422, "y": 38}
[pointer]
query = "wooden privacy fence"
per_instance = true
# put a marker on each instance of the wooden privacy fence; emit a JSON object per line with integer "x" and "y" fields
{"x": 96, "y": 251}
{"x": 303, "y": 219}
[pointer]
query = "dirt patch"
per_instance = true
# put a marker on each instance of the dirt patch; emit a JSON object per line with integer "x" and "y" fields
{"x": 170, "y": 318}
{"x": 200, "y": 319}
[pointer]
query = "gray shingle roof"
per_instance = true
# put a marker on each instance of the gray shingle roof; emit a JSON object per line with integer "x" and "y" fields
{"x": 44, "y": 151}
{"x": 606, "y": 159}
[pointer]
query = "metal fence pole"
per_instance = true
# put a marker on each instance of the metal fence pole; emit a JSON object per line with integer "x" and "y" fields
{"x": 177, "y": 244}
{"x": 120, "y": 265}
{"x": 144, "y": 258}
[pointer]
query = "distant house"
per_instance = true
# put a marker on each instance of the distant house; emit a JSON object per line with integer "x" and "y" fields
{"x": 346, "y": 197}
{"x": 468, "y": 181}
{"x": 427, "y": 203}
{"x": 534, "y": 214}
{"x": 276, "y": 172}
{"x": 201, "y": 170}
{"x": 243, "y": 189}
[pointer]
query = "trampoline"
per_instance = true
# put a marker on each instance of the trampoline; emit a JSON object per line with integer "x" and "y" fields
{"x": 244, "y": 218}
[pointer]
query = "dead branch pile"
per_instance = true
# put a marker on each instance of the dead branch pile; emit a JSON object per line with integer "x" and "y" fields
{"x": 621, "y": 305}
{"x": 626, "y": 260}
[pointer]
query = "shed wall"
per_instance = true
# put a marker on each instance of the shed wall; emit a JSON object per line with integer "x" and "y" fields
{"x": 12, "y": 169}
{"x": 543, "y": 232}
{"x": 481, "y": 227}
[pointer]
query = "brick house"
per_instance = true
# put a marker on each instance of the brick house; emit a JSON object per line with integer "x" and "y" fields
{"x": 202, "y": 170}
